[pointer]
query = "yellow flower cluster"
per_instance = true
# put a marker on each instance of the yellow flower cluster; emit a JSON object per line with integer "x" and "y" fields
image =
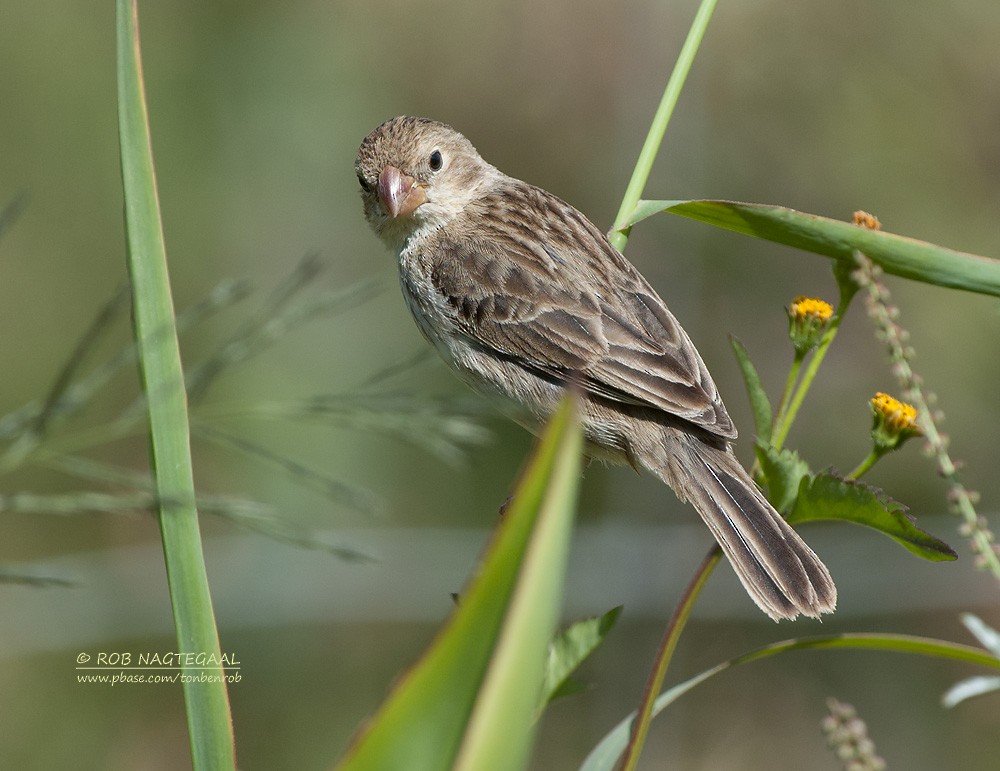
{"x": 896, "y": 416}
{"x": 808, "y": 320}
{"x": 810, "y": 308}
{"x": 893, "y": 422}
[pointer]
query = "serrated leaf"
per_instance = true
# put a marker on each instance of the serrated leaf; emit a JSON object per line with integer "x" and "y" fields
{"x": 569, "y": 649}
{"x": 759, "y": 403}
{"x": 784, "y": 470}
{"x": 827, "y": 496}
{"x": 899, "y": 255}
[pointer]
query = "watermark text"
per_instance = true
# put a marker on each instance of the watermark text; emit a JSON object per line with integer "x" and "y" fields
{"x": 152, "y": 667}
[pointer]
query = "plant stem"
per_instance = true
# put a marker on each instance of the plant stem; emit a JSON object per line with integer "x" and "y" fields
{"x": 640, "y": 726}
{"x": 786, "y": 394}
{"x": 865, "y": 465}
{"x": 619, "y": 238}
{"x": 785, "y": 418}
{"x": 619, "y": 232}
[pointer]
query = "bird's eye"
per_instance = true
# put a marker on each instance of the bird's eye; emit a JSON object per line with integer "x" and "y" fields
{"x": 364, "y": 184}
{"x": 437, "y": 161}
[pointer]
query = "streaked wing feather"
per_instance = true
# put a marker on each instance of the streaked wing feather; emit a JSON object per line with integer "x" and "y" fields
{"x": 572, "y": 304}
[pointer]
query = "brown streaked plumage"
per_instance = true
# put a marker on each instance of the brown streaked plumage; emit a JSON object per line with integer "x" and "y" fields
{"x": 520, "y": 293}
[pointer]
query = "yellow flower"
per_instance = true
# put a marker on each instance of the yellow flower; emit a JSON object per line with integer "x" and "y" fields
{"x": 894, "y": 422}
{"x": 810, "y": 307}
{"x": 808, "y": 319}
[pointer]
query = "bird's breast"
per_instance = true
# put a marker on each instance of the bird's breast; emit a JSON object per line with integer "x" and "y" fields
{"x": 422, "y": 298}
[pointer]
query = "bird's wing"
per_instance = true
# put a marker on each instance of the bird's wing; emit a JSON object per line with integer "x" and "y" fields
{"x": 560, "y": 300}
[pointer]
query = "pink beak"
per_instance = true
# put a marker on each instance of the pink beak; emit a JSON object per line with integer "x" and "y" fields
{"x": 399, "y": 194}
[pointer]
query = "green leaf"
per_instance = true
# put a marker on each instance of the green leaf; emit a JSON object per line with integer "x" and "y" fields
{"x": 207, "y": 703}
{"x": 784, "y": 471}
{"x": 899, "y": 255}
{"x": 569, "y": 649}
{"x": 569, "y": 687}
{"x": 469, "y": 703}
{"x": 604, "y": 757}
{"x": 827, "y": 496}
{"x": 759, "y": 403}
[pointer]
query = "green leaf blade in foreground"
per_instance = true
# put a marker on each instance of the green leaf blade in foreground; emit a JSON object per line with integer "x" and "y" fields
{"x": 469, "y": 703}
{"x": 207, "y": 703}
{"x": 827, "y": 496}
{"x": 899, "y": 255}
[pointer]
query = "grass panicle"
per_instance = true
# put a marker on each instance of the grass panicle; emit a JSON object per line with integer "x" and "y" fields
{"x": 847, "y": 735}
{"x": 884, "y": 315}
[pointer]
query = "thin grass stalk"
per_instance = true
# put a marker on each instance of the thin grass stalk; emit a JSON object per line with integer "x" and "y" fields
{"x": 665, "y": 653}
{"x": 644, "y": 165}
{"x": 619, "y": 238}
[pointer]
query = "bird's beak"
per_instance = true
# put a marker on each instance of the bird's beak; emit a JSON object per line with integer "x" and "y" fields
{"x": 399, "y": 193}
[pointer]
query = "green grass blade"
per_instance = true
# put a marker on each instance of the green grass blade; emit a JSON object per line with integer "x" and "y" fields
{"x": 604, "y": 756}
{"x": 899, "y": 255}
{"x": 209, "y": 721}
{"x": 469, "y": 703}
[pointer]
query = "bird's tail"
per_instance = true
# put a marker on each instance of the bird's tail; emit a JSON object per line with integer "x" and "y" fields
{"x": 776, "y": 567}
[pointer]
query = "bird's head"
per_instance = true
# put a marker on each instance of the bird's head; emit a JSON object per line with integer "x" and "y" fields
{"x": 417, "y": 175}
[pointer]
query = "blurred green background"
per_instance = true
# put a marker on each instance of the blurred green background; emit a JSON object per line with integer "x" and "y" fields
{"x": 257, "y": 110}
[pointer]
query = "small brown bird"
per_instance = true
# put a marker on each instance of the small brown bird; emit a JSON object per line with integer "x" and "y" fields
{"x": 521, "y": 294}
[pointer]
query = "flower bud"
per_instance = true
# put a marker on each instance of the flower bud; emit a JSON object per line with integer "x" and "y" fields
{"x": 893, "y": 422}
{"x": 808, "y": 319}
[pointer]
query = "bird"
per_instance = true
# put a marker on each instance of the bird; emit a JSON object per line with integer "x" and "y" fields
{"x": 524, "y": 297}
